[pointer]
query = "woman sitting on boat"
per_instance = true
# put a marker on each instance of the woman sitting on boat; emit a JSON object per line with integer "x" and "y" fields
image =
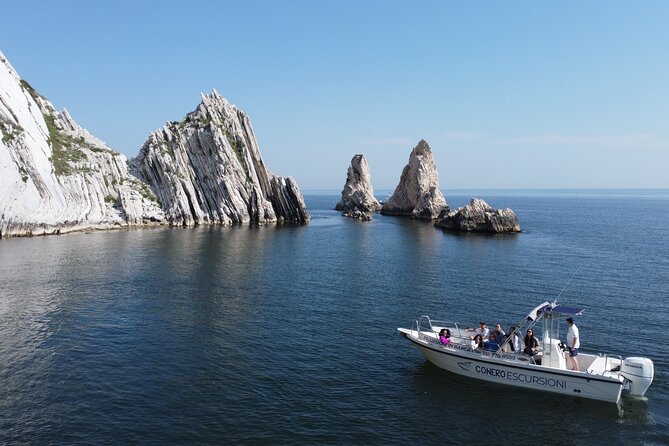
{"x": 531, "y": 343}
{"x": 445, "y": 336}
{"x": 477, "y": 342}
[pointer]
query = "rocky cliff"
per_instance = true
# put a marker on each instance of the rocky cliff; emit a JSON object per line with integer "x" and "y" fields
{"x": 479, "y": 216}
{"x": 417, "y": 194}
{"x": 207, "y": 168}
{"x": 55, "y": 176}
{"x": 358, "y": 194}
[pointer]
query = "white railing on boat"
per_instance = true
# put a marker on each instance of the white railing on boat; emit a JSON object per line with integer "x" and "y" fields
{"x": 425, "y": 325}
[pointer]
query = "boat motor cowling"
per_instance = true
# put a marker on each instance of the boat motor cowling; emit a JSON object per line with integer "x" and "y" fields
{"x": 639, "y": 373}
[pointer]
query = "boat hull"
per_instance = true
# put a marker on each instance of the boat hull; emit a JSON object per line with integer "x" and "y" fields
{"x": 510, "y": 370}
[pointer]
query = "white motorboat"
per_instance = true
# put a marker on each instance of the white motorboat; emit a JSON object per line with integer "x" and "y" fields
{"x": 601, "y": 377}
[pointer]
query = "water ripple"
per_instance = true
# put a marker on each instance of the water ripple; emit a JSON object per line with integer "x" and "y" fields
{"x": 287, "y": 335}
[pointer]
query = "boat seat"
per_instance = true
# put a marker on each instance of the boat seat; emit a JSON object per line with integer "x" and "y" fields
{"x": 533, "y": 359}
{"x": 598, "y": 365}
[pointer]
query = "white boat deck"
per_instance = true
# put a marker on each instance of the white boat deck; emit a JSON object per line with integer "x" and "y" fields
{"x": 588, "y": 363}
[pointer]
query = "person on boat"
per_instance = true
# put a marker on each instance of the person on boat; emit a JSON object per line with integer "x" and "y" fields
{"x": 497, "y": 335}
{"x": 573, "y": 344}
{"x": 531, "y": 343}
{"x": 512, "y": 341}
{"x": 495, "y": 340}
{"x": 445, "y": 336}
{"x": 482, "y": 331}
{"x": 490, "y": 346}
{"x": 477, "y": 342}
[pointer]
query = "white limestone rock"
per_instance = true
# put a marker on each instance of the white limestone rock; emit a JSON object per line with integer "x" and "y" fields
{"x": 56, "y": 177}
{"x": 357, "y": 214}
{"x": 207, "y": 169}
{"x": 417, "y": 194}
{"x": 479, "y": 216}
{"x": 358, "y": 193}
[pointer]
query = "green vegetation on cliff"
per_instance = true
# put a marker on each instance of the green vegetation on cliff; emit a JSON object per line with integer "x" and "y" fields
{"x": 62, "y": 148}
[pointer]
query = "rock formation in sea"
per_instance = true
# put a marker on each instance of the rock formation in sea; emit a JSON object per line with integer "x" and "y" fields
{"x": 417, "y": 194}
{"x": 207, "y": 168}
{"x": 56, "y": 177}
{"x": 358, "y": 194}
{"x": 479, "y": 216}
{"x": 357, "y": 214}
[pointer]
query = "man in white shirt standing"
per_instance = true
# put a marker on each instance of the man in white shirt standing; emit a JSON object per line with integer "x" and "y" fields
{"x": 573, "y": 343}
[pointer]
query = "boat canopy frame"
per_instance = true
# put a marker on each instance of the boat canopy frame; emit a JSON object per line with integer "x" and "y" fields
{"x": 549, "y": 314}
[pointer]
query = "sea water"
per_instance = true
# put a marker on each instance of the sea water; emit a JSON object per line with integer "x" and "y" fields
{"x": 287, "y": 334}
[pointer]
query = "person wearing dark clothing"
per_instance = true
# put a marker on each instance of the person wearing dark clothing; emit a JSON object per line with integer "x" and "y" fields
{"x": 531, "y": 343}
{"x": 497, "y": 335}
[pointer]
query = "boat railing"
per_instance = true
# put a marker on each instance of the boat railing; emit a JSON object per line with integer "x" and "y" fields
{"x": 425, "y": 324}
{"x": 421, "y": 324}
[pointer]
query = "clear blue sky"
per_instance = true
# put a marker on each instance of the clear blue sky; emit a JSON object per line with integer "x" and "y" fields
{"x": 508, "y": 94}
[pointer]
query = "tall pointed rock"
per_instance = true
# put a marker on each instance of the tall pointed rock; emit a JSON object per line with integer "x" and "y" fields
{"x": 358, "y": 193}
{"x": 56, "y": 177}
{"x": 207, "y": 169}
{"x": 417, "y": 194}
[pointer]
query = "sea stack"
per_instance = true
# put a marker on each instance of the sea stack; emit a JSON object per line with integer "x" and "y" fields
{"x": 207, "y": 169}
{"x": 479, "y": 216}
{"x": 357, "y": 196}
{"x": 55, "y": 177}
{"x": 417, "y": 194}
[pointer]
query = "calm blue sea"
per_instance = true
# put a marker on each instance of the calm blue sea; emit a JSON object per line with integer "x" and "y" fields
{"x": 287, "y": 334}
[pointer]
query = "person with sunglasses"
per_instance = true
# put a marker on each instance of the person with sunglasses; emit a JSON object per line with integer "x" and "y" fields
{"x": 531, "y": 343}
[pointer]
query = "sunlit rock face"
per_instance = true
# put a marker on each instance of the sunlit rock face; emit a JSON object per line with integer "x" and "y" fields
{"x": 417, "y": 194}
{"x": 207, "y": 169}
{"x": 56, "y": 177}
{"x": 479, "y": 216}
{"x": 358, "y": 194}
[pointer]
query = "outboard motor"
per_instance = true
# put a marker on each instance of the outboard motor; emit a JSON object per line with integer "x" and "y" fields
{"x": 639, "y": 374}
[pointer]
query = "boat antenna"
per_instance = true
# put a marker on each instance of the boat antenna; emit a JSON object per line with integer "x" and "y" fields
{"x": 567, "y": 284}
